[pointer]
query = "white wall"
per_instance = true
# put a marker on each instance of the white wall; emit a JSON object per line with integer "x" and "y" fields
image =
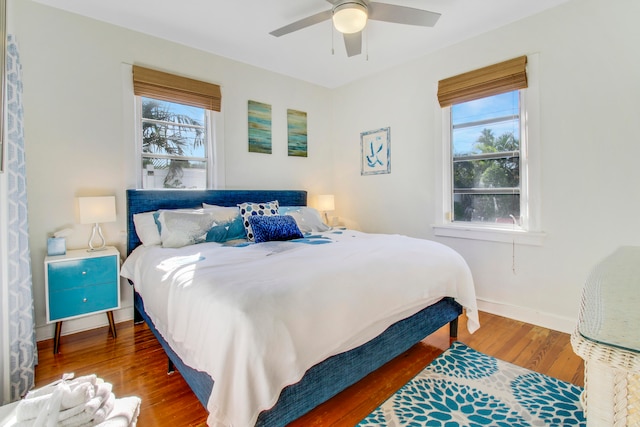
{"x": 589, "y": 89}
{"x": 79, "y": 142}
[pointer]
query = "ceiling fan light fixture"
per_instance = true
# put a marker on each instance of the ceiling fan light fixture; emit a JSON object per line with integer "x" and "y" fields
{"x": 350, "y": 17}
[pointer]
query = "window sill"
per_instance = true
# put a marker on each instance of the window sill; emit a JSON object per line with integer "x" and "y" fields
{"x": 521, "y": 237}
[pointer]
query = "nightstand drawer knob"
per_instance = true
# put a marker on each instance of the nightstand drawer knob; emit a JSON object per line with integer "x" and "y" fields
{"x": 84, "y": 273}
{"x": 84, "y": 300}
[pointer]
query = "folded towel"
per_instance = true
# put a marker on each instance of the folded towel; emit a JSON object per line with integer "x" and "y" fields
{"x": 73, "y": 394}
{"x": 124, "y": 414}
{"x": 66, "y": 378}
{"x": 102, "y": 389}
{"x": 48, "y": 389}
{"x": 48, "y": 416}
{"x": 29, "y": 409}
{"x": 81, "y": 414}
{"x": 103, "y": 411}
{"x": 77, "y": 394}
{"x": 84, "y": 402}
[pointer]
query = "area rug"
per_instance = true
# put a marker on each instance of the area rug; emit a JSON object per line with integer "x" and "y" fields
{"x": 463, "y": 387}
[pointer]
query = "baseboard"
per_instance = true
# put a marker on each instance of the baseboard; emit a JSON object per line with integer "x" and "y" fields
{"x": 529, "y": 315}
{"x": 86, "y": 323}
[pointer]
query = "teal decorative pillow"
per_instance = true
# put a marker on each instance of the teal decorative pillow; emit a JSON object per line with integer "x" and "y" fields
{"x": 250, "y": 209}
{"x": 276, "y": 227}
{"x": 229, "y": 230}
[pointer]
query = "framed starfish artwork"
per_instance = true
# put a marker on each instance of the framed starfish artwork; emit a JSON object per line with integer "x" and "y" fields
{"x": 375, "y": 146}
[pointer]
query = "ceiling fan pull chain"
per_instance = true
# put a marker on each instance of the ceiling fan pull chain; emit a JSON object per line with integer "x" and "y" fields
{"x": 366, "y": 36}
{"x": 333, "y": 52}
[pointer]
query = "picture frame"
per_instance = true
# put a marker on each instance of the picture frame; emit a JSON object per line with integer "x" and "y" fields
{"x": 296, "y": 133}
{"x": 259, "y": 124}
{"x": 375, "y": 152}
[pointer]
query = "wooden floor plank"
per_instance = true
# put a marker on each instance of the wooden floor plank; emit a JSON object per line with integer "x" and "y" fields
{"x": 135, "y": 364}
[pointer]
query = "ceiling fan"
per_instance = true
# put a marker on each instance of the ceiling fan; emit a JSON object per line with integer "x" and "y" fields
{"x": 350, "y": 17}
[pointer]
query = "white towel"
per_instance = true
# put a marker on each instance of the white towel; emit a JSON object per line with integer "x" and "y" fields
{"x": 84, "y": 402}
{"x": 81, "y": 414}
{"x": 48, "y": 389}
{"x": 67, "y": 378}
{"x": 103, "y": 411}
{"x": 103, "y": 389}
{"x": 72, "y": 394}
{"x": 124, "y": 414}
{"x": 29, "y": 408}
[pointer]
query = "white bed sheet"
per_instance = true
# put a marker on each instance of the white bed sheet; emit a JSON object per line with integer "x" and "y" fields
{"x": 255, "y": 318}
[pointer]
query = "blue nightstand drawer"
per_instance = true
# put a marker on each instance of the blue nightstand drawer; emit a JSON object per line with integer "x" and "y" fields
{"x": 83, "y": 300}
{"x": 81, "y": 272}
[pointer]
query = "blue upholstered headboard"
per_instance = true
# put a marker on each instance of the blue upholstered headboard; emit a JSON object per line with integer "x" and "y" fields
{"x": 151, "y": 200}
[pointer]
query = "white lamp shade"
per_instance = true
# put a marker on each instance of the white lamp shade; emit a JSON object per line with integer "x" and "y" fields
{"x": 94, "y": 210}
{"x": 326, "y": 202}
{"x": 350, "y": 17}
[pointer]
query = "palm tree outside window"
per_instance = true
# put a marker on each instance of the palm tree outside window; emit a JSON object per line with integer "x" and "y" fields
{"x": 485, "y": 135}
{"x": 175, "y": 147}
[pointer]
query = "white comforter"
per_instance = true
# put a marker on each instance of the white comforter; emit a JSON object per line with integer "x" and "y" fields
{"x": 255, "y": 318}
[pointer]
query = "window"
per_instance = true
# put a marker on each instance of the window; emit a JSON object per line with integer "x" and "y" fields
{"x": 175, "y": 129}
{"x": 485, "y": 152}
{"x": 489, "y": 117}
{"x": 175, "y": 144}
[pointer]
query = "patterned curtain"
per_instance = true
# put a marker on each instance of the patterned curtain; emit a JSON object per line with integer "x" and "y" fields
{"x": 22, "y": 336}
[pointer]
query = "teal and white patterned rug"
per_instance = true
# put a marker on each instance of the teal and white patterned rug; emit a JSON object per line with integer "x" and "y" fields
{"x": 463, "y": 387}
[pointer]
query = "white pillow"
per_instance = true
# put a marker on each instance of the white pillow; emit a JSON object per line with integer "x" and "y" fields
{"x": 178, "y": 229}
{"x": 307, "y": 218}
{"x": 222, "y": 213}
{"x": 147, "y": 229}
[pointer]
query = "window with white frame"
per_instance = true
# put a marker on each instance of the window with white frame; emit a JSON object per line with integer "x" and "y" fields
{"x": 490, "y": 177}
{"x": 485, "y": 155}
{"x": 175, "y": 129}
{"x": 175, "y": 144}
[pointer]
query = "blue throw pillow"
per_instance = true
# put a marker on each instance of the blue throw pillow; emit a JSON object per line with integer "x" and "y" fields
{"x": 275, "y": 227}
{"x": 225, "y": 231}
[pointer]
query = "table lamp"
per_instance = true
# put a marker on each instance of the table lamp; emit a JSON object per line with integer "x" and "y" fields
{"x": 326, "y": 202}
{"x": 95, "y": 210}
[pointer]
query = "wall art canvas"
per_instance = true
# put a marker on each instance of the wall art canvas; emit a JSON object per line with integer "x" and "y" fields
{"x": 376, "y": 151}
{"x": 259, "y": 127}
{"x": 297, "y": 133}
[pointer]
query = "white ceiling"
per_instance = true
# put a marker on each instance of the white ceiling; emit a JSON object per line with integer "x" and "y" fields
{"x": 239, "y": 29}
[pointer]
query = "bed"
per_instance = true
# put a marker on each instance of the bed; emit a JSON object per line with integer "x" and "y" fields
{"x": 328, "y": 372}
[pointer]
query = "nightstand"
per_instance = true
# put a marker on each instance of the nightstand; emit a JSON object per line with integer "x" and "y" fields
{"x": 80, "y": 283}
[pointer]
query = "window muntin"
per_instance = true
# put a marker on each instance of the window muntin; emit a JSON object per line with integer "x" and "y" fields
{"x": 485, "y": 152}
{"x": 175, "y": 144}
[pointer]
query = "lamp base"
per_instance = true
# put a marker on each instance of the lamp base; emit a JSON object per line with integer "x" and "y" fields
{"x": 96, "y": 230}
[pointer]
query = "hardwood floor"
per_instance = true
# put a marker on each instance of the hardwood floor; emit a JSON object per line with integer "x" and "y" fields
{"x": 136, "y": 365}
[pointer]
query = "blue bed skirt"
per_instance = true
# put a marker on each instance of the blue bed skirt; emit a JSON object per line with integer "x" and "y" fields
{"x": 322, "y": 381}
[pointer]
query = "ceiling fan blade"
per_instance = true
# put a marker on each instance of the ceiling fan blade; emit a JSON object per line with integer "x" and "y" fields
{"x": 353, "y": 43}
{"x": 303, "y": 23}
{"x": 402, "y": 14}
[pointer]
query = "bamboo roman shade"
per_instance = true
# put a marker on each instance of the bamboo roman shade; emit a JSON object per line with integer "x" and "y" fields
{"x": 492, "y": 80}
{"x": 169, "y": 87}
